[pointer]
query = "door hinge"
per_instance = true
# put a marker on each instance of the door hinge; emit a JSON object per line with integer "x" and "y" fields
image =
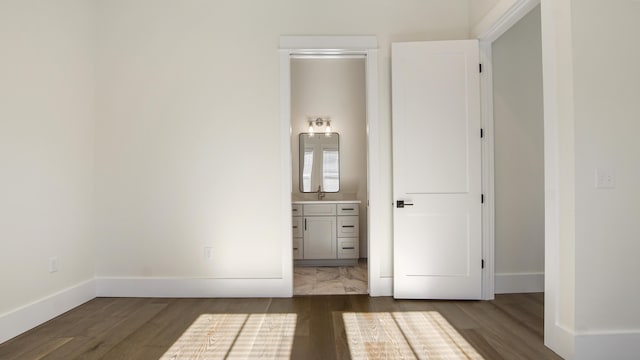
{"x": 481, "y": 198}
{"x": 480, "y": 67}
{"x": 481, "y": 132}
{"x": 482, "y": 263}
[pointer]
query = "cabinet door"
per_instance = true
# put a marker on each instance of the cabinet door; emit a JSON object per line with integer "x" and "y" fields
{"x": 320, "y": 237}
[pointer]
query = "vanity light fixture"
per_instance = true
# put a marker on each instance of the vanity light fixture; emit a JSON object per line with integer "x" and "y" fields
{"x": 319, "y": 122}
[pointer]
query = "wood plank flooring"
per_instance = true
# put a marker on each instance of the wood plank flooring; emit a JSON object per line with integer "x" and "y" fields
{"x": 304, "y": 327}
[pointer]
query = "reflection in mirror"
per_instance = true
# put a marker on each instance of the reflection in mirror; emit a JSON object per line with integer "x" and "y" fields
{"x": 319, "y": 162}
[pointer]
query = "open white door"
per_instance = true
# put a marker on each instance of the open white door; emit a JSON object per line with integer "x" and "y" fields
{"x": 436, "y": 170}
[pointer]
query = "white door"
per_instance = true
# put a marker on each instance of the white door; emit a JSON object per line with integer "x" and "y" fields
{"x": 436, "y": 170}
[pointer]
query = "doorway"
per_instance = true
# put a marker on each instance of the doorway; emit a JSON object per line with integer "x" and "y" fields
{"x": 518, "y": 139}
{"x": 329, "y": 170}
{"x": 332, "y": 46}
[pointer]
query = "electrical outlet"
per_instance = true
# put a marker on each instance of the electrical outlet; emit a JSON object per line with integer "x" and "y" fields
{"x": 605, "y": 178}
{"x": 53, "y": 264}
{"x": 208, "y": 252}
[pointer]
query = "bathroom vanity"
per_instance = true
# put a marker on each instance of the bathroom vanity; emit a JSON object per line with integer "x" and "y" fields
{"x": 325, "y": 232}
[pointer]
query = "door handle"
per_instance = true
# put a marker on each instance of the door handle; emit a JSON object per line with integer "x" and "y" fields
{"x": 400, "y": 204}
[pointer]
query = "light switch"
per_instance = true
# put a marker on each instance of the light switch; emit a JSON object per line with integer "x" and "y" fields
{"x": 53, "y": 264}
{"x": 208, "y": 252}
{"x": 605, "y": 178}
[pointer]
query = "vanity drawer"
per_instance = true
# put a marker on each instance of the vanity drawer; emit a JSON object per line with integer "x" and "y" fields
{"x": 297, "y": 248}
{"x": 296, "y": 209}
{"x": 319, "y": 209}
{"x": 348, "y": 226}
{"x": 348, "y": 248}
{"x": 297, "y": 227}
{"x": 348, "y": 209}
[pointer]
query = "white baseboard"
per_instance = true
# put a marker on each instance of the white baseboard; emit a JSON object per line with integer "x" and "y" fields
{"x": 31, "y": 315}
{"x": 519, "y": 283}
{"x": 559, "y": 339}
{"x": 624, "y": 345}
{"x": 191, "y": 287}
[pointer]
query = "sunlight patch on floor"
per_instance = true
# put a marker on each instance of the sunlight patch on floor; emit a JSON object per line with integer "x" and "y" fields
{"x": 404, "y": 335}
{"x": 236, "y": 336}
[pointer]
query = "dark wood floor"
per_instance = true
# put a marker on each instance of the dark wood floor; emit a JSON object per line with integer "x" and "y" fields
{"x": 510, "y": 327}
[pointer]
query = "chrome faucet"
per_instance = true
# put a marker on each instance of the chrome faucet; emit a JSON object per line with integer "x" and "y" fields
{"x": 321, "y": 194}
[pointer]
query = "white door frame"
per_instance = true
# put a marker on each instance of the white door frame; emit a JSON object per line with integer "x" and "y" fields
{"x": 556, "y": 336}
{"x": 488, "y": 31}
{"x": 334, "y": 45}
{"x": 491, "y": 28}
{"x": 488, "y": 209}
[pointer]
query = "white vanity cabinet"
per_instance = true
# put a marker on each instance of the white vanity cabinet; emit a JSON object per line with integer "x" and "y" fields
{"x": 324, "y": 231}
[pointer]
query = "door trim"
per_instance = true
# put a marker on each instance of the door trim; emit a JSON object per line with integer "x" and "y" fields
{"x": 492, "y": 27}
{"x": 488, "y": 188}
{"x": 501, "y": 18}
{"x": 334, "y": 45}
{"x": 556, "y": 335}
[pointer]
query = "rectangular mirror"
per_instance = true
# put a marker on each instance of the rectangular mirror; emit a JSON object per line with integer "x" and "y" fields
{"x": 319, "y": 162}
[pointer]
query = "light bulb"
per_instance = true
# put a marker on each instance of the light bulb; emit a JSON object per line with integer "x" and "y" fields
{"x": 328, "y": 128}
{"x": 310, "y": 127}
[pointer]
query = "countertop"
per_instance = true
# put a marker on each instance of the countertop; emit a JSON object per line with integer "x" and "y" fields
{"x": 327, "y": 202}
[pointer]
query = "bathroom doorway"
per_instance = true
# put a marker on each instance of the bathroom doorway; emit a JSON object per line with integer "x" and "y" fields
{"x": 329, "y": 174}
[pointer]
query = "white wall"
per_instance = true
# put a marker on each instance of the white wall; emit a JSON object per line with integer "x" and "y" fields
{"x": 188, "y": 142}
{"x": 592, "y": 122}
{"x": 336, "y": 88}
{"x": 150, "y": 128}
{"x": 519, "y": 157}
{"x": 46, "y": 148}
{"x": 607, "y": 124}
{"x": 478, "y": 9}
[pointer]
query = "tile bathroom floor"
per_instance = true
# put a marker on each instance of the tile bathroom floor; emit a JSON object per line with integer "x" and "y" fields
{"x": 325, "y": 280}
